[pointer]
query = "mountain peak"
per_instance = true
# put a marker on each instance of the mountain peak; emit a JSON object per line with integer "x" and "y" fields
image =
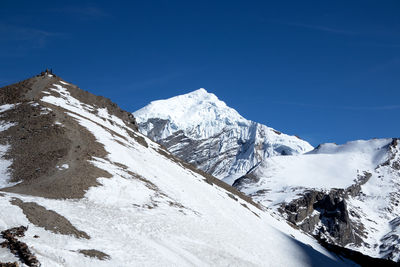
{"x": 198, "y": 112}
{"x": 222, "y": 142}
{"x": 203, "y": 95}
{"x": 200, "y": 91}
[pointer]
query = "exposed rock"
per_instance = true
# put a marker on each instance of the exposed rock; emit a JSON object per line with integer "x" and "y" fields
{"x": 93, "y": 253}
{"x": 9, "y": 264}
{"x": 18, "y": 248}
{"x": 248, "y": 178}
{"x": 320, "y": 213}
{"x": 357, "y": 257}
{"x": 395, "y": 164}
{"x": 325, "y": 214}
{"x": 48, "y": 219}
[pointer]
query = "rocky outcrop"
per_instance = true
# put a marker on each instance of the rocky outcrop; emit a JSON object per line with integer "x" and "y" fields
{"x": 93, "y": 253}
{"x": 357, "y": 257}
{"x": 393, "y": 161}
{"x": 325, "y": 214}
{"x": 8, "y": 264}
{"x": 18, "y": 248}
{"x": 48, "y": 219}
{"x": 390, "y": 242}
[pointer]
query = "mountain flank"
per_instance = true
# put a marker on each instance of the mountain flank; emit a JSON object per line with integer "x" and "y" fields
{"x": 43, "y": 138}
{"x": 88, "y": 189}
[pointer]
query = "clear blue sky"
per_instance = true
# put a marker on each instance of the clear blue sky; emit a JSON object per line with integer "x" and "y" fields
{"x": 328, "y": 71}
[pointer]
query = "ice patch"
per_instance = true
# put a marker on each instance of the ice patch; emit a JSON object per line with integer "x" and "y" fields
{"x": 7, "y": 107}
{"x": 63, "y": 167}
{"x": 6, "y": 125}
{"x": 45, "y": 111}
{"x": 4, "y": 164}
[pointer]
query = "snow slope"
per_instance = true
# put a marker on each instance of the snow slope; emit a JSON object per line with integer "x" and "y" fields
{"x": 154, "y": 211}
{"x": 202, "y": 130}
{"x": 369, "y": 166}
{"x": 5, "y": 163}
{"x": 328, "y": 166}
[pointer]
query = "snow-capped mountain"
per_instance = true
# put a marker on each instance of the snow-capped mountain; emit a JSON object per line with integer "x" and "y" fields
{"x": 345, "y": 194}
{"x": 202, "y": 130}
{"x": 80, "y": 186}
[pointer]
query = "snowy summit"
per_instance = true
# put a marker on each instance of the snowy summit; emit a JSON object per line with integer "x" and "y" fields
{"x": 188, "y": 123}
{"x": 199, "y": 114}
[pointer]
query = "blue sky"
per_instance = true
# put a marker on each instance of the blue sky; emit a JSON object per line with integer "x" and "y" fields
{"x": 328, "y": 71}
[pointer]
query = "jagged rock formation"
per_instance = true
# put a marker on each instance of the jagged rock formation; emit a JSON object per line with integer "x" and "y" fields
{"x": 202, "y": 130}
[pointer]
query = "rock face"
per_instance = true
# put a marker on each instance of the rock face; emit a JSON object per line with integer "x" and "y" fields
{"x": 355, "y": 205}
{"x": 326, "y": 215}
{"x": 202, "y": 130}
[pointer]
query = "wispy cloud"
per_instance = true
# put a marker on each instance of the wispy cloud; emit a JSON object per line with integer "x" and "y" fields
{"x": 26, "y": 37}
{"x": 83, "y": 12}
{"x": 387, "y": 107}
{"x": 322, "y": 28}
{"x": 157, "y": 81}
{"x": 391, "y": 64}
{"x": 388, "y": 45}
{"x": 360, "y": 108}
